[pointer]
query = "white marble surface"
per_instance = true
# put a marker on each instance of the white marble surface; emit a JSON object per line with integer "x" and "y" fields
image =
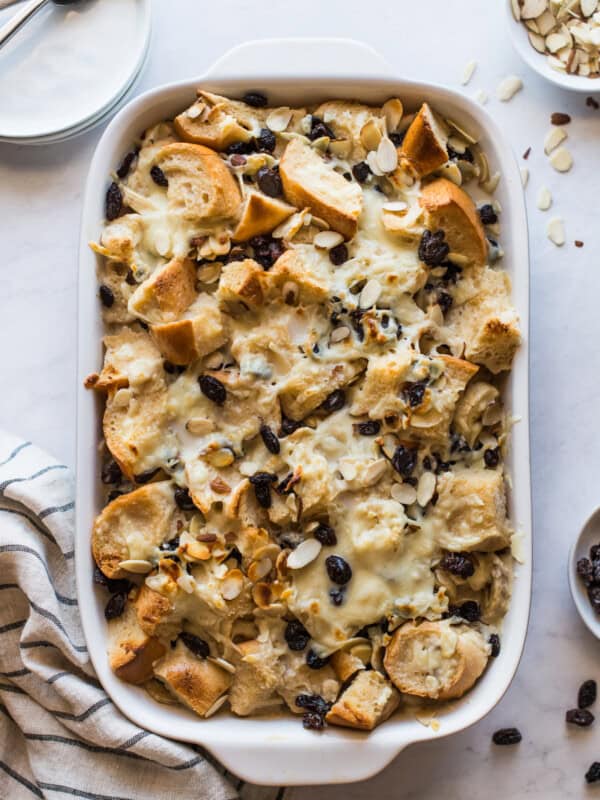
{"x": 40, "y": 194}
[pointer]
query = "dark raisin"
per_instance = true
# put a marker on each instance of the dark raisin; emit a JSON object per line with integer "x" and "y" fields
{"x": 111, "y": 472}
{"x": 130, "y": 278}
{"x": 115, "y": 606}
{"x": 337, "y": 596}
{"x": 255, "y": 99}
{"x": 334, "y": 401}
{"x": 184, "y": 499}
{"x": 452, "y": 273}
{"x": 318, "y": 128}
{"x": 594, "y": 596}
{"x": 173, "y": 369}
{"x": 397, "y": 138}
{"x": 442, "y": 466}
{"x": 237, "y": 160}
{"x": 347, "y": 176}
{"x": 325, "y": 534}
{"x": 427, "y": 463}
{"x": 314, "y": 661}
{"x": 593, "y": 773}
{"x": 313, "y": 721}
{"x": 194, "y": 643}
{"x": 506, "y": 736}
{"x": 266, "y": 140}
{"x": 487, "y": 214}
{"x": 459, "y": 444}
{"x": 286, "y": 485}
{"x": 114, "y": 202}
{"x": 107, "y": 297}
{"x": 494, "y": 642}
{"x": 433, "y": 250}
{"x": 469, "y": 610}
{"x": 361, "y": 171}
{"x": 239, "y": 149}
{"x": 445, "y": 301}
{"x": 595, "y": 552}
{"x": 338, "y": 569}
{"x": 114, "y": 494}
{"x": 559, "y": 118}
{"x": 146, "y": 475}
{"x": 586, "y": 696}
{"x": 313, "y": 702}
{"x": 296, "y": 635}
{"x": 212, "y": 388}
{"x": 99, "y": 577}
{"x": 259, "y": 478}
{"x": 460, "y": 564}
{"x": 270, "y": 439}
{"x": 269, "y": 181}
{"x": 172, "y": 544}
{"x": 414, "y": 393}
{"x": 266, "y": 250}
{"x": 289, "y": 426}
{"x": 492, "y": 457}
{"x": 338, "y": 254}
{"x": 261, "y": 481}
{"x": 404, "y": 460}
{"x": 369, "y": 428}
{"x": 580, "y": 717}
{"x": 158, "y": 176}
{"x": 125, "y": 165}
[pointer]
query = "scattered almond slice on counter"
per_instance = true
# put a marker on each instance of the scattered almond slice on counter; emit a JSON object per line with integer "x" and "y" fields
{"x": 524, "y": 177}
{"x": 481, "y": 96}
{"x": 553, "y": 138}
{"x": 544, "y": 199}
{"x": 468, "y": 72}
{"x": 508, "y": 87}
{"x": 556, "y": 231}
{"x": 561, "y": 159}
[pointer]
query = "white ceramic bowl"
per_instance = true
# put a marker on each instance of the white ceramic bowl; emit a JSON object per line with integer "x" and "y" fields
{"x": 538, "y": 62}
{"x": 277, "y": 750}
{"x": 589, "y": 535}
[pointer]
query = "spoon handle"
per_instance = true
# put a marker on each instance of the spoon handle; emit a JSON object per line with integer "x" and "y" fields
{"x": 24, "y": 14}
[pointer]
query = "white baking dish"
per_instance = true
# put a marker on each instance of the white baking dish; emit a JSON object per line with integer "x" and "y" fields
{"x": 278, "y": 750}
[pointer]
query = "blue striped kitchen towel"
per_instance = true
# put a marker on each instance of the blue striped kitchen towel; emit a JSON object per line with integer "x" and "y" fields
{"x": 60, "y": 735}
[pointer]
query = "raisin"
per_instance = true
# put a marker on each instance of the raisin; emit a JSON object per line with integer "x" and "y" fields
{"x": 492, "y": 457}
{"x": 194, "y": 643}
{"x": 334, "y": 401}
{"x": 318, "y": 129}
{"x": 494, "y": 642}
{"x": 111, "y": 472}
{"x": 361, "y": 171}
{"x": 369, "y": 428}
{"x": 146, "y": 475}
{"x": 125, "y": 165}
{"x": 115, "y": 606}
{"x": 337, "y": 596}
{"x": 107, "y": 297}
{"x": 296, "y": 635}
{"x": 347, "y": 176}
{"x": 173, "y": 369}
{"x": 397, "y": 138}
{"x": 286, "y": 485}
{"x": 469, "y": 611}
{"x": 404, "y": 460}
{"x": 433, "y": 250}
{"x": 325, "y": 534}
{"x": 313, "y": 702}
{"x": 506, "y": 736}
{"x": 184, "y": 499}
{"x": 594, "y": 596}
{"x": 459, "y": 444}
{"x": 414, "y": 393}
{"x": 460, "y": 564}
{"x": 289, "y": 426}
{"x": 213, "y": 389}
{"x": 114, "y": 202}
{"x": 114, "y": 494}
{"x": 445, "y": 301}
{"x": 338, "y": 254}
{"x": 255, "y": 99}
{"x": 239, "y": 149}
{"x": 338, "y": 569}
{"x": 487, "y": 215}
{"x": 172, "y": 544}
{"x": 314, "y": 661}
{"x": 261, "y": 481}
{"x": 269, "y": 181}
{"x": 270, "y": 439}
{"x": 586, "y": 695}
{"x": 579, "y": 716}
{"x": 595, "y": 552}
{"x": 313, "y": 721}
{"x": 266, "y": 250}
{"x": 266, "y": 140}
{"x": 558, "y": 118}
{"x": 593, "y": 773}
{"x": 158, "y": 176}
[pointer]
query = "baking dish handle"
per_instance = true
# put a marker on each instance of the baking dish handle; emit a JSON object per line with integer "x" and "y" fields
{"x": 299, "y": 57}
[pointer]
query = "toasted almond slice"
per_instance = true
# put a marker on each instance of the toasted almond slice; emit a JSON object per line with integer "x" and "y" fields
{"x": 404, "y": 493}
{"x": 259, "y": 569}
{"x": 200, "y": 426}
{"x": 215, "y": 706}
{"x": 556, "y": 231}
{"x": 341, "y": 147}
{"x": 370, "y": 135}
{"x": 223, "y": 457}
{"x": 561, "y": 159}
{"x": 395, "y": 206}
{"x": 339, "y": 334}
{"x": 546, "y": 22}
{"x": 554, "y": 137}
{"x": 426, "y": 488}
{"x": 370, "y": 293}
{"x": 468, "y": 72}
{"x": 327, "y": 240}
{"x": 516, "y": 9}
{"x": 136, "y": 565}
{"x": 186, "y": 583}
{"x": 374, "y": 471}
{"x": 393, "y": 111}
{"x": 198, "y": 551}
{"x": 471, "y": 137}
{"x": 371, "y": 160}
{"x": 232, "y": 584}
{"x": 556, "y": 63}
{"x": 279, "y": 119}
{"x": 530, "y": 9}
{"x": 387, "y": 155}
{"x": 537, "y": 42}
{"x": 544, "y": 199}
{"x": 509, "y": 87}
{"x": 531, "y": 25}
{"x": 524, "y": 176}
{"x": 306, "y": 552}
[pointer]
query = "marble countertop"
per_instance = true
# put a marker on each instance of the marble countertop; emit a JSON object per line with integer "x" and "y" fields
{"x": 40, "y": 195}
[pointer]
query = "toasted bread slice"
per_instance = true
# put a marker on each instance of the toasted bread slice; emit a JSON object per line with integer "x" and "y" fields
{"x": 449, "y": 208}
{"x": 120, "y": 370}
{"x": 131, "y": 652}
{"x": 196, "y": 682}
{"x": 133, "y": 526}
{"x": 260, "y": 215}
{"x": 200, "y": 186}
{"x": 292, "y": 280}
{"x": 201, "y": 330}
{"x": 155, "y": 613}
{"x": 309, "y": 182}
{"x": 309, "y": 384}
{"x": 167, "y": 293}
{"x": 345, "y": 665}
{"x": 435, "y": 659}
{"x": 379, "y": 394}
{"x": 240, "y": 286}
{"x": 217, "y": 121}
{"x": 424, "y": 148}
{"x": 369, "y": 700}
{"x": 470, "y": 513}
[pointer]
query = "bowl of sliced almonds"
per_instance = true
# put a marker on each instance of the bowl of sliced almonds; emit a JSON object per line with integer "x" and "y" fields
{"x": 559, "y": 39}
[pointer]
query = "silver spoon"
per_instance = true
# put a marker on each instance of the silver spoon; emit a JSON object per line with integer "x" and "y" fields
{"x": 8, "y": 30}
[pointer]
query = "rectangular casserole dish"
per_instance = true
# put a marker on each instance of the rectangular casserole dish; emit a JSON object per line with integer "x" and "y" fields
{"x": 277, "y": 750}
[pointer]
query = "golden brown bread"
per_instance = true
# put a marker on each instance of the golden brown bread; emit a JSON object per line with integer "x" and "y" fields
{"x": 217, "y": 121}
{"x": 292, "y": 280}
{"x": 200, "y": 331}
{"x": 132, "y": 652}
{"x": 423, "y": 149}
{"x": 119, "y": 370}
{"x": 167, "y": 293}
{"x": 369, "y": 700}
{"x": 260, "y": 215}
{"x": 240, "y": 286}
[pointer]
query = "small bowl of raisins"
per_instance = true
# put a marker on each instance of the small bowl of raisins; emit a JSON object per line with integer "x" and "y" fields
{"x": 584, "y": 573}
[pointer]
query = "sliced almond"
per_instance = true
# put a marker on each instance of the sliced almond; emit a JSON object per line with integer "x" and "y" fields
{"x": 561, "y": 159}
{"x": 530, "y": 9}
{"x": 387, "y": 155}
{"x": 232, "y": 584}
{"x": 545, "y": 22}
{"x": 136, "y": 565}
{"x": 544, "y": 199}
{"x": 370, "y": 293}
{"x": 375, "y": 471}
{"x": 215, "y": 706}
{"x": 279, "y": 119}
{"x": 370, "y": 135}
{"x": 200, "y": 426}
{"x": 392, "y": 111}
{"x": 340, "y": 148}
{"x": 556, "y": 63}
{"x": 339, "y": 334}
{"x": 554, "y": 137}
{"x": 481, "y": 97}
{"x": 186, "y": 583}
{"x": 516, "y": 9}
{"x": 588, "y": 7}
{"x": 404, "y": 493}
{"x": 556, "y": 231}
{"x": 426, "y": 488}
{"x": 259, "y": 569}
{"x": 306, "y": 552}
{"x": 524, "y": 176}
{"x": 492, "y": 182}
{"x": 198, "y": 551}
{"x": 468, "y": 72}
{"x": 395, "y": 206}
{"x": 223, "y": 457}
{"x": 492, "y": 415}
{"x": 327, "y": 240}
{"x": 508, "y": 88}
{"x": 537, "y": 42}
{"x": 121, "y": 398}
{"x": 371, "y": 160}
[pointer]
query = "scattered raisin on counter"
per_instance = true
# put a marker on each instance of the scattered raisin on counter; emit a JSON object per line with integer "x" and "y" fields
{"x": 255, "y": 99}
{"x": 296, "y": 635}
{"x": 579, "y": 716}
{"x": 494, "y": 642}
{"x": 433, "y": 250}
{"x": 212, "y": 388}
{"x": 114, "y": 202}
{"x": 195, "y": 644}
{"x": 158, "y": 176}
{"x": 270, "y": 439}
{"x": 338, "y": 569}
{"x": 507, "y": 736}
{"x": 460, "y": 564}
{"x": 586, "y": 696}
{"x": 593, "y": 773}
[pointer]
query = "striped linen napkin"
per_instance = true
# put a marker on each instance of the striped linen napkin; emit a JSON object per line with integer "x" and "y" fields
{"x": 60, "y": 735}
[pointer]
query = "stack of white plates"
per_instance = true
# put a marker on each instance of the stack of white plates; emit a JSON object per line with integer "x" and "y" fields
{"x": 69, "y": 67}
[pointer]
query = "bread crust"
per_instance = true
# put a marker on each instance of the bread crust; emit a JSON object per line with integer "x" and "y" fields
{"x": 423, "y": 149}
{"x": 202, "y": 331}
{"x": 167, "y": 293}
{"x": 260, "y": 215}
{"x": 132, "y": 653}
{"x": 196, "y": 682}
{"x": 227, "y": 121}
{"x": 240, "y": 286}
{"x": 369, "y": 700}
